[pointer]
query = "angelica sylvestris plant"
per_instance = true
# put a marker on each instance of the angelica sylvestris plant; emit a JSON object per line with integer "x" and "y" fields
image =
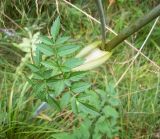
{"x": 59, "y": 78}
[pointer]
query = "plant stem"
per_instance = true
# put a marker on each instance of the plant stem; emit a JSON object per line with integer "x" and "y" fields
{"x": 126, "y": 32}
{"x": 102, "y": 20}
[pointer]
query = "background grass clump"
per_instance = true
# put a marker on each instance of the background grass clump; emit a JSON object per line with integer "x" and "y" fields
{"x": 138, "y": 90}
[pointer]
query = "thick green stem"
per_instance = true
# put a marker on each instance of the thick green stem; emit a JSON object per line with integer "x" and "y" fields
{"x": 126, "y": 32}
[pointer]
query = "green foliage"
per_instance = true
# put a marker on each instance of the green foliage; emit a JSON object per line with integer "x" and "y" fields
{"x": 103, "y": 121}
{"x": 54, "y": 82}
{"x": 47, "y": 50}
{"x": 66, "y": 50}
{"x": 55, "y": 28}
{"x": 79, "y": 87}
{"x": 74, "y": 62}
{"x": 138, "y": 90}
